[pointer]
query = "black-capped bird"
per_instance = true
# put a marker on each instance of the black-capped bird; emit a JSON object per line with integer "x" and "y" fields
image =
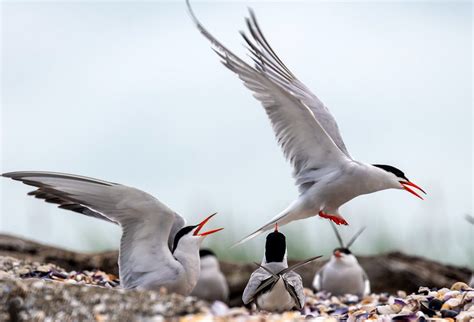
{"x": 211, "y": 285}
{"x": 274, "y": 286}
{"x": 343, "y": 273}
{"x": 326, "y": 174}
{"x": 156, "y": 249}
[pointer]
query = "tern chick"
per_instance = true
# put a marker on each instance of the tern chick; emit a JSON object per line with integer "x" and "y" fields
{"x": 342, "y": 274}
{"x": 156, "y": 249}
{"x": 274, "y": 286}
{"x": 211, "y": 285}
{"x": 326, "y": 174}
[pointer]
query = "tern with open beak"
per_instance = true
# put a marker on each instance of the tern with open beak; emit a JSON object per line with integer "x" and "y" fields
{"x": 325, "y": 173}
{"x": 274, "y": 286}
{"x": 343, "y": 273}
{"x": 156, "y": 249}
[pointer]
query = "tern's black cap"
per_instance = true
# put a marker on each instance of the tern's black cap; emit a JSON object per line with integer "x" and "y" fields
{"x": 203, "y": 252}
{"x": 397, "y": 172}
{"x": 275, "y": 247}
{"x": 343, "y": 250}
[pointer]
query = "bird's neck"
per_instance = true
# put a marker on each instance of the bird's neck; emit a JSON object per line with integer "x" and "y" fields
{"x": 190, "y": 262}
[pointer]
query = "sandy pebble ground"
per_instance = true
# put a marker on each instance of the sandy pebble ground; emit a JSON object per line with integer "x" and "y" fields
{"x": 32, "y": 291}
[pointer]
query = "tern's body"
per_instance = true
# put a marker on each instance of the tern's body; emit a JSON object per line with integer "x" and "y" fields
{"x": 211, "y": 285}
{"x": 341, "y": 277}
{"x": 326, "y": 174}
{"x": 342, "y": 274}
{"x": 156, "y": 249}
{"x": 274, "y": 286}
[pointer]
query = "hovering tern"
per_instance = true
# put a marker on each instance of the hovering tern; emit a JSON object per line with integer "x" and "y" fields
{"x": 325, "y": 173}
{"x": 211, "y": 285}
{"x": 156, "y": 249}
{"x": 274, "y": 286}
{"x": 342, "y": 274}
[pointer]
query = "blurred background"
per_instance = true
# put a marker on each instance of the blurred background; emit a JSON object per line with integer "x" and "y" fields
{"x": 132, "y": 93}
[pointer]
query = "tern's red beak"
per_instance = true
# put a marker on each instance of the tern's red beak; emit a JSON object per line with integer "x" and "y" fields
{"x": 407, "y": 184}
{"x": 202, "y": 223}
{"x": 337, "y": 254}
{"x": 276, "y": 227}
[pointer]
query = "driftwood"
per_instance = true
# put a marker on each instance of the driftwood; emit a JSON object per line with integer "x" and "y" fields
{"x": 388, "y": 272}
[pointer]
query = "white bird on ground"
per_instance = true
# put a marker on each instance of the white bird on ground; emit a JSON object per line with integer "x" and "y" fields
{"x": 156, "y": 249}
{"x": 274, "y": 286}
{"x": 325, "y": 173}
{"x": 211, "y": 285}
{"x": 343, "y": 273}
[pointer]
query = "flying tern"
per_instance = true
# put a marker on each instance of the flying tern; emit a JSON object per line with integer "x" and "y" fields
{"x": 274, "y": 286}
{"x": 156, "y": 249}
{"x": 211, "y": 285}
{"x": 342, "y": 274}
{"x": 325, "y": 173}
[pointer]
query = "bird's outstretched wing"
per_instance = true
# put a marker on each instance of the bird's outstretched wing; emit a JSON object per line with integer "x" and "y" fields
{"x": 303, "y": 126}
{"x": 260, "y": 281}
{"x": 294, "y": 286}
{"x": 146, "y": 222}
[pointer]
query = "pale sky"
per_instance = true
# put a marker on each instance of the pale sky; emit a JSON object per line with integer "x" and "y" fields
{"x": 132, "y": 93}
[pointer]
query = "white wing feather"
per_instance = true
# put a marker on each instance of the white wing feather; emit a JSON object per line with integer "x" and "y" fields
{"x": 145, "y": 221}
{"x": 306, "y": 143}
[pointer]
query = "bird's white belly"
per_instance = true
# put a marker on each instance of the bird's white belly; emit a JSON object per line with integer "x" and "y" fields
{"x": 278, "y": 299}
{"x": 343, "y": 281}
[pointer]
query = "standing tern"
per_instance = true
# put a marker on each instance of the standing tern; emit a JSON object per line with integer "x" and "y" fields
{"x": 211, "y": 285}
{"x": 274, "y": 286}
{"x": 156, "y": 249}
{"x": 470, "y": 219}
{"x": 325, "y": 173}
{"x": 342, "y": 274}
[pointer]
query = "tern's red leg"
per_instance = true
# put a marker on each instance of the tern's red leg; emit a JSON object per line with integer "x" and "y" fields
{"x": 336, "y": 219}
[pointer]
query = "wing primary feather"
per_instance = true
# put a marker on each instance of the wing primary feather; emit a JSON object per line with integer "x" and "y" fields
{"x": 354, "y": 238}
{"x": 338, "y": 235}
{"x": 299, "y": 264}
{"x": 266, "y": 269}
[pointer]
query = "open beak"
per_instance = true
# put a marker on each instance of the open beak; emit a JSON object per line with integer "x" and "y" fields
{"x": 407, "y": 184}
{"x": 197, "y": 232}
{"x": 337, "y": 254}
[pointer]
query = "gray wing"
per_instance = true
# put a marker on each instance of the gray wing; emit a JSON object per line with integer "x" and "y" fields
{"x": 294, "y": 285}
{"x": 259, "y": 278}
{"x": 146, "y": 222}
{"x": 304, "y": 140}
{"x": 267, "y": 62}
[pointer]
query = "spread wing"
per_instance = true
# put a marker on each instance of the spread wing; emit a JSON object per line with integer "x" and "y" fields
{"x": 146, "y": 222}
{"x": 303, "y": 127}
{"x": 260, "y": 281}
{"x": 294, "y": 285}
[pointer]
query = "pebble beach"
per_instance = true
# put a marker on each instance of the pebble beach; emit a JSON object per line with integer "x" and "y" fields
{"x": 31, "y": 291}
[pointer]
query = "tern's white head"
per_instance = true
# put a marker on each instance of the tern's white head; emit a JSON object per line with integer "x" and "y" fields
{"x": 396, "y": 179}
{"x": 189, "y": 238}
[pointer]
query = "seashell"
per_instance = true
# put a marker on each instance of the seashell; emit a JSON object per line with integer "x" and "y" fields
{"x": 341, "y": 311}
{"x": 435, "y": 304}
{"x": 385, "y": 309}
{"x": 459, "y": 286}
{"x": 423, "y": 290}
{"x": 43, "y": 269}
{"x": 454, "y": 302}
{"x": 448, "y": 314}
{"x": 450, "y": 294}
{"x": 424, "y": 306}
{"x": 402, "y": 294}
